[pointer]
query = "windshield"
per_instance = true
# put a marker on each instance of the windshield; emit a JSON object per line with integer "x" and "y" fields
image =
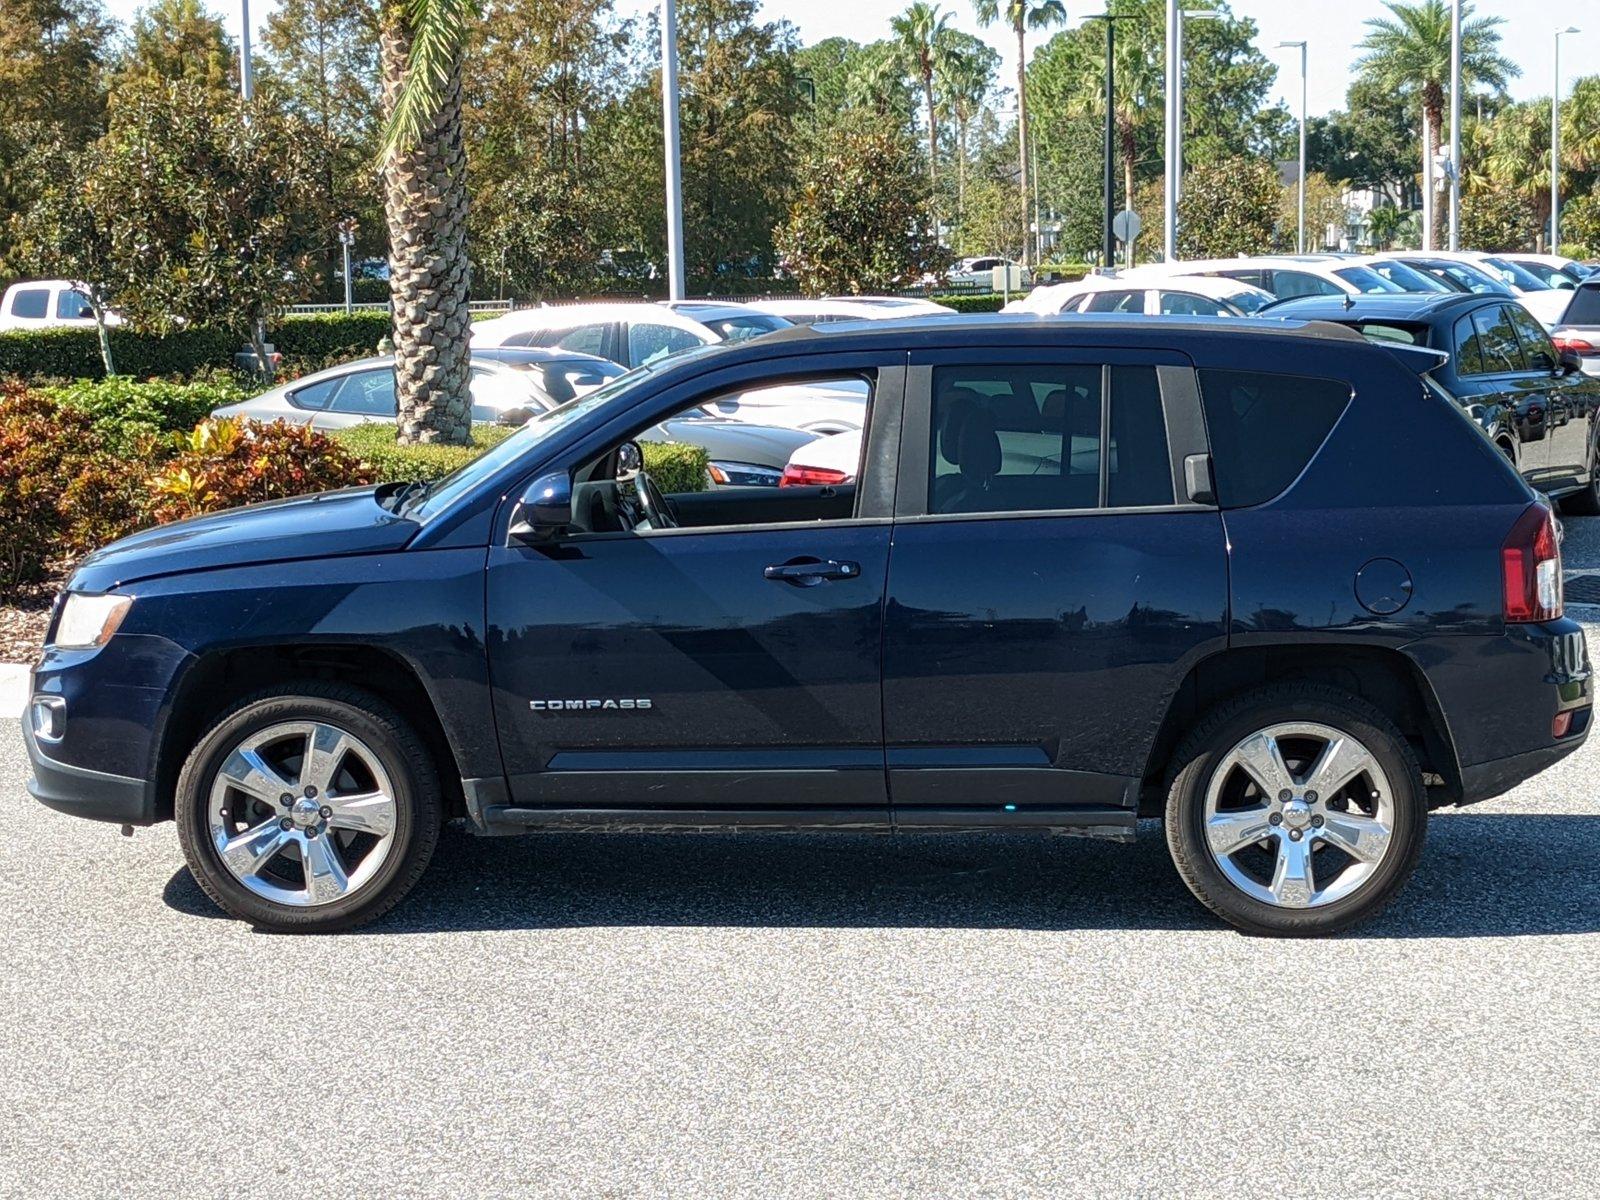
{"x": 1478, "y": 280}
{"x": 1406, "y": 333}
{"x": 1519, "y": 276}
{"x": 439, "y": 496}
{"x": 1366, "y": 281}
{"x": 1409, "y": 278}
{"x": 565, "y": 379}
{"x": 1250, "y": 303}
{"x": 742, "y": 328}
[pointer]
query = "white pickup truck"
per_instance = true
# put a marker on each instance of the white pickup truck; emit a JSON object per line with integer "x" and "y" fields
{"x": 47, "y": 304}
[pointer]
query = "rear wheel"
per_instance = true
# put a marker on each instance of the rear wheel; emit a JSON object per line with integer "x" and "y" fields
{"x": 309, "y": 808}
{"x": 1297, "y": 809}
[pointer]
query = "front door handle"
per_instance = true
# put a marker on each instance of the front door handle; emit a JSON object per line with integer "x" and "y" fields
{"x": 808, "y": 572}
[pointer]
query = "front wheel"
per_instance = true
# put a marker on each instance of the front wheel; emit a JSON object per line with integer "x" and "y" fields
{"x": 309, "y": 808}
{"x": 1296, "y": 809}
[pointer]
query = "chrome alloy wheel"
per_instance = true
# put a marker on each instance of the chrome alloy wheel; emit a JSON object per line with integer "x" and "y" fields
{"x": 1299, "y": 815}
{"x": 302, "y": 813}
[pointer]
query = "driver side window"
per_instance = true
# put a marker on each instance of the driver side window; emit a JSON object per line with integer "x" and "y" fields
{"x": 696, "y": 469}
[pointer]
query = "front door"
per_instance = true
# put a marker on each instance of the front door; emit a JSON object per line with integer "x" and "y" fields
{"x": 718, "y": 667}
{"x": 1051, "y": 583}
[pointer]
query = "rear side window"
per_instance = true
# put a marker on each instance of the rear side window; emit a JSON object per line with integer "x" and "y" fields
{"x": 31, "y": 304}
{"x": 1537, "y": 349}
{"x": 1497, "y": 340}
{"x": 1186, "y": 304}
{"x": 1115, "y": 302}
{"x": 315, "y": 396}
{"x": 1469, "y": 357}
{"x": 1265, "y": 428}
{"x": 73, "y": 305}
{"x": 1287, "y": 284}
{"x": 1584, "y": 307}
{"x": 365, "y": 394}
{"x": 1035, "y": 439}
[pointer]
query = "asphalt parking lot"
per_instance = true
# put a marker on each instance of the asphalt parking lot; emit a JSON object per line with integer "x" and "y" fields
{"x": 784, "y": 1016}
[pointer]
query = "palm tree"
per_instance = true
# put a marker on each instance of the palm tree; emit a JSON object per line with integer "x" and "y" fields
{"x": 1385, "y": 224}
{"x": 1409, "y": 52}
{"x": 920, "y": 32}
{"x": 424, "y": 162}
{"x": 964, "y": 80}
{"x": 877, "y": 83}
{"x": 1021, "y": 15}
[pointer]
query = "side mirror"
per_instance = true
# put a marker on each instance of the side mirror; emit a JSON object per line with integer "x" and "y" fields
{"x": 1571, "y": 362}
{"x": 545, "y": 510}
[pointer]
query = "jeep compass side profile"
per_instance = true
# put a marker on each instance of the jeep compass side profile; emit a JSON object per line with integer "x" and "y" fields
{"x": 1250, "y": 576}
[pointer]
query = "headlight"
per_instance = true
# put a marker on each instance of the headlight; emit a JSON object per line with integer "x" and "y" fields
{"x": 87, "y": 621}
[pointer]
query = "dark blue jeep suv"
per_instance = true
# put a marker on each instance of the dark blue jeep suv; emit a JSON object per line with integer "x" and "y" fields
{"x": 1087, "y": 571}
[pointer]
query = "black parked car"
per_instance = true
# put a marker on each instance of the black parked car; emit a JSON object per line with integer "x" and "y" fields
{"x": 1250, "y": 575}
{"x": 1532, "y": 399}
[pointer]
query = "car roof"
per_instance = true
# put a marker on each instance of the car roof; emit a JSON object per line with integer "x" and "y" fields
{"x": 709, "y": 309}
{"x": 1394, "y": 306}
{"x": 559, "y": 316}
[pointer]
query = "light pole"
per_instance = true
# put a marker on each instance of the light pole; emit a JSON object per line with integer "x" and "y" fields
{"x": 1109, "y": 251}
{"x": 1455, "y": 124}
{"x": 1300, "y": 239}
{"x": 1555, "y": 148}
{"x": 669, "y": 122}
{"x": 247, "y": 72}
{"x": 347, "y": 239}
{"x": 1175, "y": 116}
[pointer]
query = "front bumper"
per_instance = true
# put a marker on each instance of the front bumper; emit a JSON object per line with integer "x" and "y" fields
{"x": 97, "y": 795}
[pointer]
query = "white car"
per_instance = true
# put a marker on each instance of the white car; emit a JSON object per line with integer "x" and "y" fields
{"x": 1176, "y": 295}
{"x": 800, "y": 311}
{"x": 629, "y": 334}
{"x": 824, "y": 462}
{"x": 1286, "y": 276}
{"x": 1544, "y": 302}
{"x": 816, "y": 408}
{"x": 1579, "y": 328}
{"x": 48, "y": 304}
{"x": 979, "y": 272}
{"x": 1556, "y": 270}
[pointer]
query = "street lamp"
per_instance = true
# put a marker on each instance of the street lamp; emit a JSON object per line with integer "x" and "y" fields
{"x": 1300, "y": 239}
{"x": 347, "y": 239}
{"x": 1176, "y": 19}
{"x": 247, "y": 72}
{"x": 669, "y": 123}
{"x": 1555, "y": 148}
{"x": 1110, "y": 242}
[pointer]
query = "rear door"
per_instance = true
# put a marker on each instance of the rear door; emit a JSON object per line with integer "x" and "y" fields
{"x": 1569, "y": 403}
{"x": 1051, "y": 581}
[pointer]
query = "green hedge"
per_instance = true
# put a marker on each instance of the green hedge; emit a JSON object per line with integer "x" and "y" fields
{"x": 329, "y": 335}
{"x": 674, "y": 467}
{"x": 1061, "y": 272}
{"x": 75, "y": 353}
{"x": 972, "y": 302}
{"x": 124, "y": 411}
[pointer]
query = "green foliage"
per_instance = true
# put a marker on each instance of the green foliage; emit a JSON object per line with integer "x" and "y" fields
{"x": 60, "y": 488}
{"x": 331, "y": 337}
{"x": 972, "y": 302}
{"x": 75, "y": 353}
{"x": 1580, "y": 226}
{"x": 676, "y": 467}
{"x": 1228, "y": 208}
{"x": 860, "y": 223}
{"x": 223, "y": 463}
{"x": 126, "y": 413}
{"x": 175, "y": 40}
{"x": 391, "y": 461}
{"x": 1497, "y": 218}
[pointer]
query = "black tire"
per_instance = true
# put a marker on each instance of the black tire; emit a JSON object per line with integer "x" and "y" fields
{"x": 412, "y": 774}
{"x": 1225, "y": 727}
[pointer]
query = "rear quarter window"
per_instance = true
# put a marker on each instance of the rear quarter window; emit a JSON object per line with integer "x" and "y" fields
{"x": 1265, "y": 428}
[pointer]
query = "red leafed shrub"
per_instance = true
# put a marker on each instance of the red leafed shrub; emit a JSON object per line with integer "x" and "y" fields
{"x": 61, "y": 490}
{"x": 223, "y": 463}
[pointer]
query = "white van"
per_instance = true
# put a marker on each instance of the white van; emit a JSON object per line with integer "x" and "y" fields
{"x": 47, "y": 304}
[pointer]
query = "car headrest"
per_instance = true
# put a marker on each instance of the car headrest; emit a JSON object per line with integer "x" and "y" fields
{"x": 980, "y": 447}
{"x": 957, "y": 403}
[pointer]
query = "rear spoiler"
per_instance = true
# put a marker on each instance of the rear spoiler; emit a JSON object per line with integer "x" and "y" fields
{"x": 1419, "y": 358}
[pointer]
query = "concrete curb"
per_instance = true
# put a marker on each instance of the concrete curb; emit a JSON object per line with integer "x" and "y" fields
{"x": 13, "y": 689}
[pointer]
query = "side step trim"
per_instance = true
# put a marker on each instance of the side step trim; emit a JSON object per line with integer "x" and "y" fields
{"x": 509, "y": 819}
{"x": 1116, "y": 824}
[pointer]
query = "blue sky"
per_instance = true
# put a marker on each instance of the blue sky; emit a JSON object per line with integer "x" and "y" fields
{"x": 1332, "y": 27}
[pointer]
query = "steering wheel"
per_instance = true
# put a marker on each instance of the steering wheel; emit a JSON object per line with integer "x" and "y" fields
{"x": 652, "y": 504}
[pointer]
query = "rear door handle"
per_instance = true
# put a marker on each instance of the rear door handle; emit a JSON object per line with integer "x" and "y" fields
{"x": 810, "y": 571}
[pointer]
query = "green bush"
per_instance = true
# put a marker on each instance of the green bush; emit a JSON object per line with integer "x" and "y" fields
{"x": 327, "y": 336}
{"x": 391, "y": 462}
{"x": 75, "y": 353}
{"x": 124, "y": 410}
{"x": 1061, "y": 272}
{"x": 676, "y": 466}
{"x": 971, "y": 302}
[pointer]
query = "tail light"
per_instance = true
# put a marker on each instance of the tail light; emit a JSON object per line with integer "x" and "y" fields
{"x": 798, "y": 476}
{"x": 1530, "y": 567}
{"x": 1577, "y": 345}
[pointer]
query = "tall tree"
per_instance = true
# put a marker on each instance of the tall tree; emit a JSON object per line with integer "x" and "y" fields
{"x": 421, "y": 45}
{"x": 1408, "y": 52}
{"x": 965, "y": 77}
{"x": 1021, "y": 16}
{"x": 921, "y": 32}
{"x": 177, "y": 40}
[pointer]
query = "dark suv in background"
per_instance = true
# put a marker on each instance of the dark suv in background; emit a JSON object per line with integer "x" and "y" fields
{"x": 1249, "y": 575}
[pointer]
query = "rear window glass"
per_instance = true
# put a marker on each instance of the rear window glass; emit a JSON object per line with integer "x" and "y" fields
{"x": 1265, "y": 428}
{"x": 1367, "y": 281}
{"x": 1584, "y": 307}
{"x": 32, "y": 304}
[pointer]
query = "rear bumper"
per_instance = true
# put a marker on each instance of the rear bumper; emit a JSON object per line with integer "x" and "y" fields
{"x": 1490, "y": 779}
{"x": 96, "y": 795}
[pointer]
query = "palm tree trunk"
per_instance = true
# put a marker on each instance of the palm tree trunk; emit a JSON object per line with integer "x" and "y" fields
{"x": 1022, "y": 134}
{"x": 425, "y": 207}
{"x": 1433, "y": 101}
{"x": 961, "y": 164}
{"x": 1130, "y": 148}
{"x": 933, "y": 148}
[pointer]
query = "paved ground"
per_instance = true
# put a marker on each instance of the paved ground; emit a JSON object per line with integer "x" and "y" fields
{"x": 775, "y": 1016}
